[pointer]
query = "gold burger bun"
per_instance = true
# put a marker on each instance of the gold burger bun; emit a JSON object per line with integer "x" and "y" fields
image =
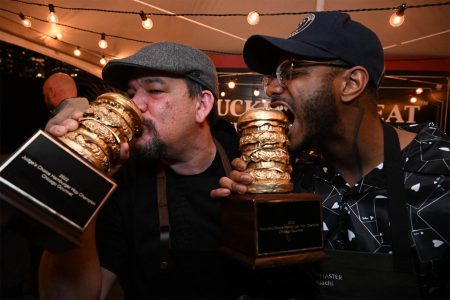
{"x": 262, "y": 114}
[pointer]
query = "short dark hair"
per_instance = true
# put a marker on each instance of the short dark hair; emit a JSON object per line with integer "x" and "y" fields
{"x": 195, "y": 89}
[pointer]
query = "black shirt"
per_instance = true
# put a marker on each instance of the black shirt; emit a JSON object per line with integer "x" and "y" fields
{"x": 128, "y": 235}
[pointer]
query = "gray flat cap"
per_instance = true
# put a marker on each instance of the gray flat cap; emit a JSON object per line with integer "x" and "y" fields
{"x": 166, "y": 57}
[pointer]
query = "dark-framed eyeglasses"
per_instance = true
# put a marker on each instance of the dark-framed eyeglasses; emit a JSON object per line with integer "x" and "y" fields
{"x": 291, "y": 68}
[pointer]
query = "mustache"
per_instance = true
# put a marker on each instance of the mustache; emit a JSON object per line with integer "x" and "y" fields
{"x": 149, "y": 125}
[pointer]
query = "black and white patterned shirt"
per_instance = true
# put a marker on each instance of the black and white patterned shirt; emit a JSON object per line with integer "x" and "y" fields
{"x": 426, "y": 169}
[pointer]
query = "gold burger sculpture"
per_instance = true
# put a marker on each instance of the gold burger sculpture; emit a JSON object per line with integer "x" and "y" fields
{"x": 110, "y": 120}
{"x": 264, "y": 146}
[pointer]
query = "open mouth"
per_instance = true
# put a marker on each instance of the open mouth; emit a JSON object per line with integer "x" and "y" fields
{"x": 283, "y": 107}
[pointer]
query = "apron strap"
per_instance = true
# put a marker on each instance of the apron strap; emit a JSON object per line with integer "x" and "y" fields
{"x": 164, "y": 226}
{"x": 163, "y": 211}
{"x": 398, "y": 217}
{"x": 223, "y": 157}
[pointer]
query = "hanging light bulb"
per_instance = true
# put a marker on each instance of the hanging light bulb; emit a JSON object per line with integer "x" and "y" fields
{"x": 398, "y": 17}
{"x": 103, "y": 43}
{"x": 147, "y": 23}
{"x": 25, "y": 21}
{"x": 222, "y": 94}
{"x": 103, "y": 60}
{"x": 77, "y": 51}
{"x": 256, "y": 93}
{"x": 55, "y": 32}
{"x": 51, "y": 17}
{"x": 419, "y": 91}
{"x": 253, "y": 18}
{"x": 231, "y": 84}
{"x": 413, "y": 99}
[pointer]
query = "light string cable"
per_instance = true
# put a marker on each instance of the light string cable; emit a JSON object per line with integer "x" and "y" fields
{"x": 140, "y": 12}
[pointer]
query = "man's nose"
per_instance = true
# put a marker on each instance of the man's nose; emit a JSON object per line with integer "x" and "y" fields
{"x": 140, "y": 102}
{"x": 271, "y": 86}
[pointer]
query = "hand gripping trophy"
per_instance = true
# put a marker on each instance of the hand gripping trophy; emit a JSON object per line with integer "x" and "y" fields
{"x": 270, "y": 226}
{"x": 57, "y": 185}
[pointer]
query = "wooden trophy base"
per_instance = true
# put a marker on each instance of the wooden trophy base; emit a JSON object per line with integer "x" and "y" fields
{"x": 273, "y": 230}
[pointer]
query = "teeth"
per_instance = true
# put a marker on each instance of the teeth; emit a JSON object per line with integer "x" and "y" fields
{"x": 281, "y": 108}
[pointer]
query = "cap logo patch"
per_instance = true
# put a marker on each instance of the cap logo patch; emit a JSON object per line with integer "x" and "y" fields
{"x": 307, "y": 21}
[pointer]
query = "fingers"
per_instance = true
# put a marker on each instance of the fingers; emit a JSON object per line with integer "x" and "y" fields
{"x": 239, "y": 164}
{"x": 57, "y": 130}
{"x": 237, "y": 183}
{"x": 77, "y": 115}
{"x": 124, "y": 152}
{"x": 70, "y": 124}
{"x": 220, "y": 193}
{"x": 123, "y": 157}
{"x": 66, "y": 125}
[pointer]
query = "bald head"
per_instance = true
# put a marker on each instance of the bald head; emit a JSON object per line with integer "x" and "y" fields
{"x": 58, "y": 87}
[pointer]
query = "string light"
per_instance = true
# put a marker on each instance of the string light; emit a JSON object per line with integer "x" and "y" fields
{"x": 231, "y": 84}
{"x": 51, "y": 17}
{"x": 398, "y": 17}
{"x": 25, "y": 21}
{"x": 413, "y": 99}
{"x": 419, "y": 91}
{"x": 222, "y": 94}
{"x": 103, "y": 60}
{"x": 103, "y": 43}
{"x": 77, "y": 51}
{"x": 253, "y": 18}
{"x": 147, "y": 23}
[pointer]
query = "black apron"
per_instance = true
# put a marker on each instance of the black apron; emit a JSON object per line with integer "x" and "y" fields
{"x": 360, "y": 275}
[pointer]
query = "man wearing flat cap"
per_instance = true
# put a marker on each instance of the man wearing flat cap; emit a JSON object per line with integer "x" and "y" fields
{"x": 159, "y": 233}
{"x": 385, "y": 190}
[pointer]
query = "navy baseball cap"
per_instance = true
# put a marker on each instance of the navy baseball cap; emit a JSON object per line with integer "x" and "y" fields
{"x": 320, "y": 36}
{"x": 167, "y": 57}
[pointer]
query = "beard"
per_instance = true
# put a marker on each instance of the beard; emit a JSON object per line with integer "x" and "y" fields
{"x": 154, "y": 148}
{"x": 319, "y": 114}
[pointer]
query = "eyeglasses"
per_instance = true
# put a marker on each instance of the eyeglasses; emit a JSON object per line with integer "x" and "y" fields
{"x": 291, "y": 68}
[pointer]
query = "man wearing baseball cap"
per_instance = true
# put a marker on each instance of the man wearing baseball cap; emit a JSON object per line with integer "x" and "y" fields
{"x": 385, "y": 190}
{"x": 159, "y": 233}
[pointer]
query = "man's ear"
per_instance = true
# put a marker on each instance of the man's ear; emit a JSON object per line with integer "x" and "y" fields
{"x": 51, "y": 95}
{"x": 204, "y": 106}
{"x": 354, "y": 82}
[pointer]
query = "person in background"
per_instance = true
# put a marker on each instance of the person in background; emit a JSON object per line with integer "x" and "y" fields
{"x": 159, "y": 234}
{"x": 385, "y": 190}
{"x": 60, "y": 96}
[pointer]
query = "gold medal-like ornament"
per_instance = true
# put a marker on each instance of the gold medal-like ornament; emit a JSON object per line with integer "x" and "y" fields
{"x": 264, "y": 146}
{"x": 110, "y": 120}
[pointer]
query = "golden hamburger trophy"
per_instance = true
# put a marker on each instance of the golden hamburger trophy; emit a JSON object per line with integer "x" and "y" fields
{"x": 270, "y": 226}
{"x": 55, "y": 186}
